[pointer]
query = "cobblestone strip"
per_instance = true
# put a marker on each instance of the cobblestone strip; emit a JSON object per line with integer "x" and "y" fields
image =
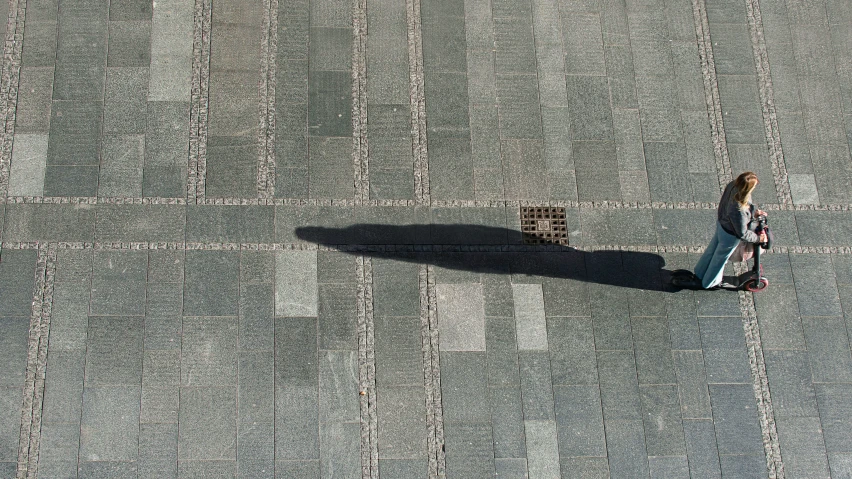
{"x": 417, "y": 100}
{"x": 367, "y": 370}
{"x": 432, "y": 372}
{"x": 11, "y": 75}
{"x": 197, "y": 170}
{"x": 711, "y": 93}
{"x": 760, "y": 382}
{"x": 360, "y": 157}
{"x": 767, "y": 103}
{"x": 33, "y": 395}
{"x": 266, "y": 109}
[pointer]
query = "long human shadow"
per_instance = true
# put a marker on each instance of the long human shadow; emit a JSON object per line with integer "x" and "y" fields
{"x": 618, "y": 268}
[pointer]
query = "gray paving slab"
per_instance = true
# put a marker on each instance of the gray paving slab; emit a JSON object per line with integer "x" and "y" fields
{"x": 244, "y": 353}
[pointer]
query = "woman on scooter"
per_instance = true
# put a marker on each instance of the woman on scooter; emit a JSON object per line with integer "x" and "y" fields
{"x": 736, "y": 222}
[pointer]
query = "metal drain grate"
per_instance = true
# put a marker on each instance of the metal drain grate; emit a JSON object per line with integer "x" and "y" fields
{"x": 544, "y": 225}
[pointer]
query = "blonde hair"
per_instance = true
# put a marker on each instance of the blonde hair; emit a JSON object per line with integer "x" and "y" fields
{"x": 744, "y": 185}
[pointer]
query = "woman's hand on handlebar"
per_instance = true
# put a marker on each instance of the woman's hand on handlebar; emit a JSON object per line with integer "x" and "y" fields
{"x": 761, "y": 213}
{"x": 763, "y": 238}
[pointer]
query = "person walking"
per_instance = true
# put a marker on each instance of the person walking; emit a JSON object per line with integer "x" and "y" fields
{"x": 736, "y": 222}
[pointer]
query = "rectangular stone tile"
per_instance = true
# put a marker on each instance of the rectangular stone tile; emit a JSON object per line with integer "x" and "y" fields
{"x": 113, "y": 351}
{"x": 451, "y": 168}
{"x": 229, "y": 224}
{"x": 468, "y": 450}
{"x": 212, "y": 283}
{"x": 529, "y": 317}
{"x": 143, "y": 223}
{"x": 701, "y": 450}
{"x": 507, "y": 422}
{"x": 692, "y": 384}
{"x": 63, "y": 399}
{"x": 572, "y": 351}
{"x": 626, "y": 449}
{"x": 802, "y": 447}
{"x": 58, "y": 450}
{"x": 340, "y": 446}
{"x": 461, "y": 316}
{"x": 29, "y": 160}
{"x": 257, "y": 309}
{"x": 834, "y": 411}
{"x": 297, "y": 469}
{"x": 667, "y": 171}
{"x": 14, "y": 335}
{"x": 10, "y": 427}
{"x": 668, "y": 467}
{"x": 502, "y": 351}
{"x": 336, "y": 315}
{"x": 725, "y": 355}
{"x": 444, "y": 43}
{"x": 828, "y": 349}
{"x": 398, "y": 351}
{"x": 123, "y": 157}
{"x": 159, "y": 405}
{"x": 516, "y": 45}
{"x": 464, "y": 387}
{"x": 653, "y": 351}
{"x": 618, "y": 385}
{"x": 207, "y": 424}
{"x": 171, "y": 52}
{"x": 579, "y": 420}
{"x": 330, "y": 109}
{"x": 662, "y": 415}
{"x": 586, "y": 467}
{"x": 523, "y": 168}
{"x": 231, "y": 169}
{"x": 542, "y": 448}
{"x": 588, "y": 102}
{"x": 289, "y": 220}
{"x": 629, "y": 225}
{"x": 401, "y": 419}
{"x": 780, "y": 324}
{"x": 34, "y": 100}
{"x": 584, "y": 53}
{"x": 161, "y": 367}
{"x": 209, "y": 351}
{"x": 790, "y": 375}
{"x": 17, "y": 280}
{"x": 490, "y": 226}
{"x": 536, "y": 386}
{"x": 109, "y": 429}
{"x": 591, "y": 159}
{"x": 256, "y": 407}
{"x": 48, "y": 222}
{"x": 158, "y": 450}
{"x": 735, "y": 418}
{"x": 212, "y": 469}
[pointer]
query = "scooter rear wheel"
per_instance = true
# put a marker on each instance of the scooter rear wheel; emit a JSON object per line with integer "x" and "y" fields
{"x": 757, "y": 285}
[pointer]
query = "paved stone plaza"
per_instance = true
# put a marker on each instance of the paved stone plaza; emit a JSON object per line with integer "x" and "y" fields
{"x": 294, "y": 239}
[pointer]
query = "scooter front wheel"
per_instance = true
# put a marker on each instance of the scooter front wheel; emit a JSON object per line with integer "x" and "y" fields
{"x": 756, "y": 285}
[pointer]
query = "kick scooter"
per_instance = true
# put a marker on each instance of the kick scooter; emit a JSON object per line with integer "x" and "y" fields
{"x": 752, "y": 280}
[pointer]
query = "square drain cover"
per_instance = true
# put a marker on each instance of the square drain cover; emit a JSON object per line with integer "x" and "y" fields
{"x": 544, "y": 225}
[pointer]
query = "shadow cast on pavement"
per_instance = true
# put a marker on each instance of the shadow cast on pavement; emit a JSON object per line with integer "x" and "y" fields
{"x": 636, "y": 270}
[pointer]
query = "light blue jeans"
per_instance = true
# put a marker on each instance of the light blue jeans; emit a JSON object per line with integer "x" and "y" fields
{"x": 712, "y": 263}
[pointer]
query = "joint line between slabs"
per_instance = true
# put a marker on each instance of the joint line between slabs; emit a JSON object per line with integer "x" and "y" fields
{"x": 367, "y": 369}
{"x": 360, "y": 153}
{"x": 760, "y": 383}
{"x": 197, "y": 169}
{"x": 266, "y": 107}
{"x": 431, "y": 372}
{"x": 33, "y": 394}
{"x": 9, "y": 82}
{"x": 417, "y": 101}
{"x": 767, "y": 103}
{"x": 711, "y": 93}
